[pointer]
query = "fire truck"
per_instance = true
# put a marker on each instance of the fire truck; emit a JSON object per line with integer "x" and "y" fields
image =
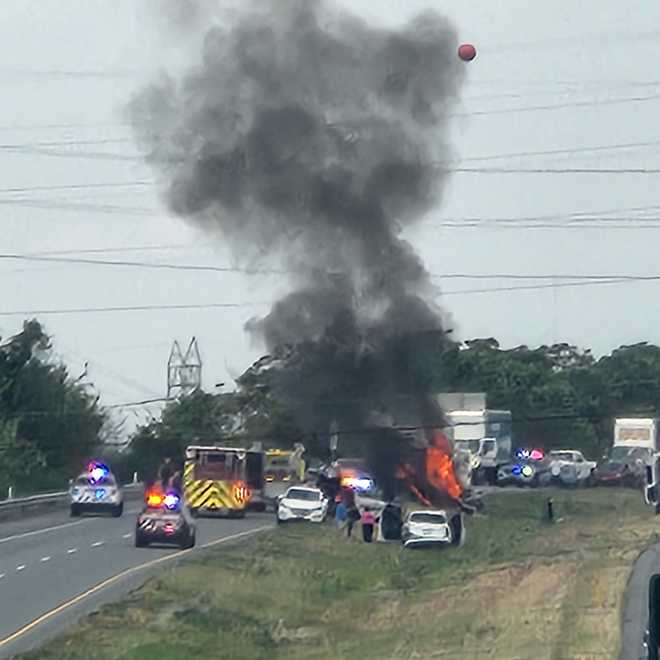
{"x": 283, "y": 468}
{"x": 215, "y": 480}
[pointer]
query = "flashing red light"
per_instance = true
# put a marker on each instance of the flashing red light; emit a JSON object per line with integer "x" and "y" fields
{"x": 241, "y": 493}
{"x": 536, "y": 454}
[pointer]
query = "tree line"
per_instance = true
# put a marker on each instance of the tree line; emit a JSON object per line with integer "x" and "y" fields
{"x": 49, "y": 423}
{"x": 560, "y": 396}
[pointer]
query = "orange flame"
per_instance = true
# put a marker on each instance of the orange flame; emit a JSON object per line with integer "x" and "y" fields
{"x": 439, "y": 467}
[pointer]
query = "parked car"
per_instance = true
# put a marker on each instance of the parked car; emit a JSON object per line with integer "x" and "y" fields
{"x": 425, "y": 528}
{"x": 166, "y": 520}
{"x": 569, "y": 467}
{"x": 302, "y": 503}
{"x": 525, "y": 472}
{"x": 624, "y": 467}
{"x": 95, "y": 491}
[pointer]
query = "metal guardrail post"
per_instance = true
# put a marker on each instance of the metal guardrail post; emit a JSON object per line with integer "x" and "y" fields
{"x": 10, "y": 493}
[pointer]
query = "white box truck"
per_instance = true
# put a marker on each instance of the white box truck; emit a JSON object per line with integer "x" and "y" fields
{"x": 482, "y": 433}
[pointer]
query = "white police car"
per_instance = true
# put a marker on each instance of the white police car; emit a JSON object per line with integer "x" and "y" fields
{"x": 96, "y": 490}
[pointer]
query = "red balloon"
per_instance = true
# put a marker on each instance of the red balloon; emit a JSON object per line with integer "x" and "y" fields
{"x": 467, "y": 52}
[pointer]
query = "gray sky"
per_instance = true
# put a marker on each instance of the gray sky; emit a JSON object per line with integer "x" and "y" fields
{"x": 559, "y": 76}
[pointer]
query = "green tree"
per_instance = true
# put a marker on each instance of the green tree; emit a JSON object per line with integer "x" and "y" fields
{"x": 55, "y": 422}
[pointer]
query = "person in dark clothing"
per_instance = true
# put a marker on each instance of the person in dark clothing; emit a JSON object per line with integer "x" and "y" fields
{"x": 176, "y": 483}
{"x": 165, "y": 472}
{"x": 352, "y": 516}
{"x": 368, "y": 522}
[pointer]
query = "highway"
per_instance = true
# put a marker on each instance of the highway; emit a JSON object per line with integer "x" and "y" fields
{"x": 50, "y": 562}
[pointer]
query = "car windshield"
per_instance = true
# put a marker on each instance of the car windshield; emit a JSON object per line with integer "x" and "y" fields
{"x": 305, "y": 495}
{"x": 428, "y": 518}
{"x": 83, "y": 480}
{"x": 619, "y": 454}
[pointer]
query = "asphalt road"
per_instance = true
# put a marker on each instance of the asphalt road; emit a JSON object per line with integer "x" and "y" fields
{"x": 48, "y": 560}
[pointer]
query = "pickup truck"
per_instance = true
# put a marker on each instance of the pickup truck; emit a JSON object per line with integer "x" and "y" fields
{"x": 570, "y": 468}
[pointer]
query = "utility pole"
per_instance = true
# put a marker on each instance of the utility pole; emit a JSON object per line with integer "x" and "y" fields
{"x": 184, "y": 371}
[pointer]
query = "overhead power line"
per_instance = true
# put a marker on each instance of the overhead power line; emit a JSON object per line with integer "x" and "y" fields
{"x": 186, "y": 306}
{"x": 268, "y": 271}
{"x": 128, "y": 308}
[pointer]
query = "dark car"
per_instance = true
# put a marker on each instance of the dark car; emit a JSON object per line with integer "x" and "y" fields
{"x": 164, "y": 520}
{"x": 525, "y": 472}
{"x": 624, "y": 467}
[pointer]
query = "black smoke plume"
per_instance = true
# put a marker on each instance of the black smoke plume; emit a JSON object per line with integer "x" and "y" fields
{"x": 309, "y": 139}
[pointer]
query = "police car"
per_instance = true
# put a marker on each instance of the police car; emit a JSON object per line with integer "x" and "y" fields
{"x": 96, "y": 490}
{"x": 164, "y": 519}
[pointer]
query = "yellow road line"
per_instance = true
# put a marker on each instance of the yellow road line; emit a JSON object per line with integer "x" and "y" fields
{"x": 115, "y": 578}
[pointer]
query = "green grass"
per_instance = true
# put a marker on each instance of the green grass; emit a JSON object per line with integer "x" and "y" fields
{"x": 304, "y": 592}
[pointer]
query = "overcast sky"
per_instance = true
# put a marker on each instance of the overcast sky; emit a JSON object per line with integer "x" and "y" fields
{"x": 577, "y": 79}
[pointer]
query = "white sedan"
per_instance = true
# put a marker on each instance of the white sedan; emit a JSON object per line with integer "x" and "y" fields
{"x": 427, "y": 527}
{"x": 302, "y": 503}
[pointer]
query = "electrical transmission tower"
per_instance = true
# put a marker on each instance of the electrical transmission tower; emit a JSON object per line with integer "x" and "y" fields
{"x": 184, "y": 372}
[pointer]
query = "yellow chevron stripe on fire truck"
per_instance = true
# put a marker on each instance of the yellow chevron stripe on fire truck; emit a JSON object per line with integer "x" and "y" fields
{"x": 211, "y": 494}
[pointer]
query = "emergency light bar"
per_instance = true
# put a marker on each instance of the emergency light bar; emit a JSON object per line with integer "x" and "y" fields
{"x": 97, "y": 472}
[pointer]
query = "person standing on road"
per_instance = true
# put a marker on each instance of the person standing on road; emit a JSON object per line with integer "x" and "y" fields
{"x": 368, "y": 522}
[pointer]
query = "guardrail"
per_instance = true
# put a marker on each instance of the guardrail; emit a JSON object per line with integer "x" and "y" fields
{"x": 23, "y": 504}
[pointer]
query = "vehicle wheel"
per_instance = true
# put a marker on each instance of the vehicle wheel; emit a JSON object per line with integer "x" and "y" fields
{"x": 279, "y": 520}
{"x": 140, "y": 541}
{"x": 117, "y": 510}
{"x": 189, "y": 542}
{"x": 75, "y": 511}
{"x": 535, "y": 481}
{"x": 458, "y": 530}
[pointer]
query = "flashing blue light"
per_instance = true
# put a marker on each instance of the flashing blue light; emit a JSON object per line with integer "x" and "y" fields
{"x": 516, "y": 469}
{"x": 171, "y": 501}
{"x": 99, "y": 493}
{"x": 97, "y": 472}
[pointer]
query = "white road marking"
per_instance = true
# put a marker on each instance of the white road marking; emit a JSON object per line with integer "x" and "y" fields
{"x": 70, "y": 551}
{"x": 21, "y": 567}
{"x": 46, "y": 558}
{"x": 2, "y": 575}
{"x": 54, "y": 528}
{"x": 96, "y": 544}
{"x": 127, "y": 536}
{"x": 115, "y": 578}
{"x": 40, "y": 531}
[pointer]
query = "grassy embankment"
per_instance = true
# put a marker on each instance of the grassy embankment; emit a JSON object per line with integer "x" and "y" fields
{"x": 519, "y": 588}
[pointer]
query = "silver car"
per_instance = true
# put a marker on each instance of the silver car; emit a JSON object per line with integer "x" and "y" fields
{"x": 103, "y": 494}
